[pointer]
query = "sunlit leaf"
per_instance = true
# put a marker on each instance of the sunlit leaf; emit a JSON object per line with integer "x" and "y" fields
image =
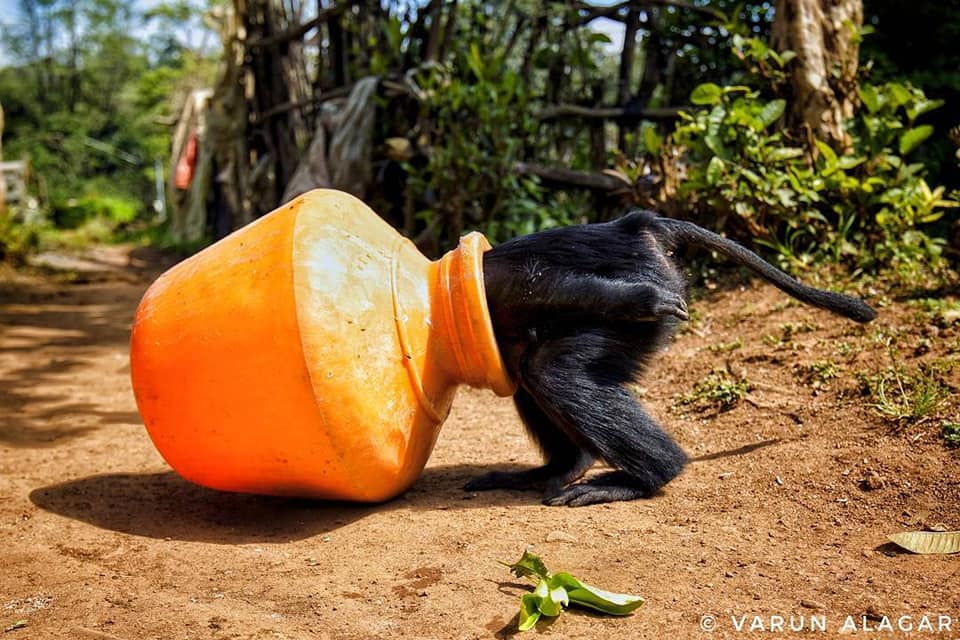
{"x": 912, "y": 138}
{"x": 849, "y": 162}
{"x": 715, "y": 144}
{"x": 714, "y": 170}
{"x": 787, "y": 56}
{"x": 475, "y": 61}
{"x": 785, "y": 153}
{"x": 618, "y": 604}
{"x": 829, "y": 157}
{"x": 751, "y": 176}
{"x": 706, "y": 94}
{"x": 928, "y": 542}
{"x": 772, "y": 111}
{"x": 651, "y": 140}
{"x": 554, "y": 592}
{"x": 529, "y": 564}
{"x": 550, "y": 601}
{"x": 529, "y": 613}
{"x": 565, "y": 580}
{"x": 899, "y": 94}
{"x": 921, "y": 107}
{"x": 19, "y": 624}
{"x": 871, "y": 97}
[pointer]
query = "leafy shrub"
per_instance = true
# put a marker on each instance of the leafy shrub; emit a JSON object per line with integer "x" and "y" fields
{"x": 480, "y": 126}
{"x": 17, "y": 239}
{"x": 865, "y": 205}
{"x": 720, "y": 391}
{"x": 902, "y": 397}
{"x": 951, "y": 433}
{"x": 75, "y": 212}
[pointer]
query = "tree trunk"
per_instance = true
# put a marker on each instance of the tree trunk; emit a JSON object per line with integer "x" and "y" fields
{"x": 3, "y": 180}
{"x": 432, "y": 45}
{"x": 627, "y": 57}
{"x": 823, "y": 34}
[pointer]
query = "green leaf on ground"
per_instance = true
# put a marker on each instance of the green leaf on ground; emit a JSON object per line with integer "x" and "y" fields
{"x": 529, "y": 565}
{"x": 559, "y": 590}
{"x": 19, "y": 624}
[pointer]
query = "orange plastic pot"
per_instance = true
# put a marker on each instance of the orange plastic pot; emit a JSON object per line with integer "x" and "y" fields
{"x": 314, "y": 352}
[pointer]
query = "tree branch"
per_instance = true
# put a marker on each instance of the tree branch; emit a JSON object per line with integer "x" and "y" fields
{"x": 294, "y": 33}
{"x": 613, "y": 11}
{"x": 607, "y": 113}
{"x": 572, "y": 178}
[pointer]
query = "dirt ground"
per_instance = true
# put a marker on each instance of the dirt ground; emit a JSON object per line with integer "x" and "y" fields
{"x": 785, "y": 510}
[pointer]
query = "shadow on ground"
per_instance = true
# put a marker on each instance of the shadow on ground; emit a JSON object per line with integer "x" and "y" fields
{"x": 48, "y": 339}
{"x": 164, "y": 505}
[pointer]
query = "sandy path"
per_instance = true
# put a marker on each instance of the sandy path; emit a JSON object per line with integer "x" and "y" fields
{"x": 100, "y": 540}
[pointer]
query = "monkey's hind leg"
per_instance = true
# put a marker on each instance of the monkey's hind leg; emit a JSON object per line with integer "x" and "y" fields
{"x": 575, "y": 380}
{"x": 565, "y": 461}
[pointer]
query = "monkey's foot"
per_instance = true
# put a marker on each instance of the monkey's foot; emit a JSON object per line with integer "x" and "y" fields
{"x": 516, "y": 480}
{"x": 610, "y": 487}
{"x": 536, "y": 478}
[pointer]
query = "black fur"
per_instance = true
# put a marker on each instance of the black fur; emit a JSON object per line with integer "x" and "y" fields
{"x": 578, "y": 313}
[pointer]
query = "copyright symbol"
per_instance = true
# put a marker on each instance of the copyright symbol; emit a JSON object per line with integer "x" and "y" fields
{"x": 708, "y": 622}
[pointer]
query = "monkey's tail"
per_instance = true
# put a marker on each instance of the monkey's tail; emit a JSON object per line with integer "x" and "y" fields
{"x": 690, "y": 234}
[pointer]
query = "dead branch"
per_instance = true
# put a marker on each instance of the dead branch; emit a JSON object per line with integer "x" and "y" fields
{"x": 607, "y": 113}
{"x": 571, "y": 177}
{"x": 613, "y": 12}
{"x": 294, "y": 33}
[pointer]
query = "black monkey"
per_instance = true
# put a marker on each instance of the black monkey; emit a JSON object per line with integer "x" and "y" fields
{"x": 578, "y": 313}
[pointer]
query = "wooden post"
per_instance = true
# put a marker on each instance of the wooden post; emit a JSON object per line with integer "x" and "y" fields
{"x": 3, "y": 180}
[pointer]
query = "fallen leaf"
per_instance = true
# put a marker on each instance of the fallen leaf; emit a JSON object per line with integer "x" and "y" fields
{"x": 19, "y": 624}
{"x": 938, "y": 542}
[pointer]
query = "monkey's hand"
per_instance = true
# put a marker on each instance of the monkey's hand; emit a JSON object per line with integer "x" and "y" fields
{"x": 636, "y": 300}
{"x": 667, "y": 303}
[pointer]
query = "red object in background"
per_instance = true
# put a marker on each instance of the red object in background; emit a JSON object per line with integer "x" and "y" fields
{"x": 183, "y": 175}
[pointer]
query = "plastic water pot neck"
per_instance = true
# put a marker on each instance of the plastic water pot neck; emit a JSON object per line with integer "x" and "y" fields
{"x": 464, "y": 318}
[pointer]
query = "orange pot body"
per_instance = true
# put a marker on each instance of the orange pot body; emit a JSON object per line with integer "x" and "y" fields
{"x": 314, "y": 353}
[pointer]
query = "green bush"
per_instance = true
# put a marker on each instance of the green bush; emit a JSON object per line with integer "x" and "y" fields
{"x": 866, "y": 205}
{"x": 480, "y": 127}
{"x": 115, "y": 209}
{"x": 17, "y": 239}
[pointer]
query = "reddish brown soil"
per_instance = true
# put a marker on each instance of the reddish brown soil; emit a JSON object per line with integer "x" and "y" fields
{"x": 785, "y": 510}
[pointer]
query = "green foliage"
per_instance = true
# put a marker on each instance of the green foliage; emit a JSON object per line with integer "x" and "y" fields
{"x": 476, "y": 114}
{"x": 480, "y": 126}
{"x": 917, "y": 46}
{"x": 940, "y": 311}
{"x": 17, "y": 239}
{"x": 720, "y": 391}
{"x": 85, "y": 101}
{"x": 556, "y": 591}
{"x": 865, "y": 205}
{"x": 951, "y": 433}
{"x": 817, "y": 374}
{"x": 904, "y": 397}
{"x": 117, "y": 209}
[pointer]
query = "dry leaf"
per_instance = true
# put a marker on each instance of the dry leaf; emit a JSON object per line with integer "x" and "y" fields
{"x": 939, "y": 542}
